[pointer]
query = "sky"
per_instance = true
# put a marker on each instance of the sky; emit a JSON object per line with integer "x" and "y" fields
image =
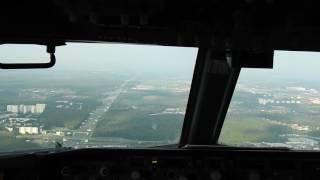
{"x": 108, "y": 56}
{"x": 288, "y": 65}
{"x": 161, "y": 60}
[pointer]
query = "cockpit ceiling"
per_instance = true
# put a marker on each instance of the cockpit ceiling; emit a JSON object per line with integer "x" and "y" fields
{"x": 250, "y": 24}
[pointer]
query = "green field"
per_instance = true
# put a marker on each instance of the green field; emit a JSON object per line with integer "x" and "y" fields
{"x": 240, "y": 129}
{"x": 9, "y": 143}
{"x": 129, "y": 117}
{"x": 249, "y": 121}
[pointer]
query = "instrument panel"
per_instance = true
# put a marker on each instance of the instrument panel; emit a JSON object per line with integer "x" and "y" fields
{"x": 145, "y": 164}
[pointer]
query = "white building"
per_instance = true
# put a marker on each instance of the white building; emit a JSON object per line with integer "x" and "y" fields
{"x": 12, "y": 108}
{"x": 40, "y": 108}
{"x": 24, "y": 109}
{"x": 33, "y": 109}
{"x": 10, "y": 129}
{"x": 59, "y": 133}
{"x": 28, "y": 130}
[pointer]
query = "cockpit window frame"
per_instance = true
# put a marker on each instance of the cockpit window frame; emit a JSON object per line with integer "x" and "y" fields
{"x": 209, "y": 99}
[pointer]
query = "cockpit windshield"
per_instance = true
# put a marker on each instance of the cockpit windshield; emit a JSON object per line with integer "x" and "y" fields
{"x": 277, "y": 107}
{"x": 97, "y": 95}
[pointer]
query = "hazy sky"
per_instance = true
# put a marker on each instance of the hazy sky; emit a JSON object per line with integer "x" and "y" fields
{"x": 147, "y": 59}
{"x": 109, "y": 57}
{"x": 288, "y": 65}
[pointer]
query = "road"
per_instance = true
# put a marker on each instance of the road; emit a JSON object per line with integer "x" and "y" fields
{"x": 82, "y": 136}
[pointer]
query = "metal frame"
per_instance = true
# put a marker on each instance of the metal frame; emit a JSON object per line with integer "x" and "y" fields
{"x": 210, "y": 95}
{"x": 232, "y": 82}
{"x": 30, "y": 65}
{"x": 193, "y": 96}
{"x": 51, "y": 48}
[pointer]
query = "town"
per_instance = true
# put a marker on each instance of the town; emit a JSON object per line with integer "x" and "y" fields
{"x": 286, "y": 116}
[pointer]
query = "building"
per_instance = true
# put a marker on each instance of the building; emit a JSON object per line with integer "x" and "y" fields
{"x": 12, "y": 108}
{"x": 28, "y": 130}
{"x": 40, "y": 108}
{"x": 59, "y": 133}
{"x": 33, "y": 109}
{"x": 24, "y": 109}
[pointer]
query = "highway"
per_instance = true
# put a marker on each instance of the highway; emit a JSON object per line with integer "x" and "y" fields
{"x": 81, "y": 137}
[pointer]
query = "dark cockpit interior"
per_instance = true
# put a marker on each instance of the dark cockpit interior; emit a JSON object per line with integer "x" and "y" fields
{"x": 210, "y": 115}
